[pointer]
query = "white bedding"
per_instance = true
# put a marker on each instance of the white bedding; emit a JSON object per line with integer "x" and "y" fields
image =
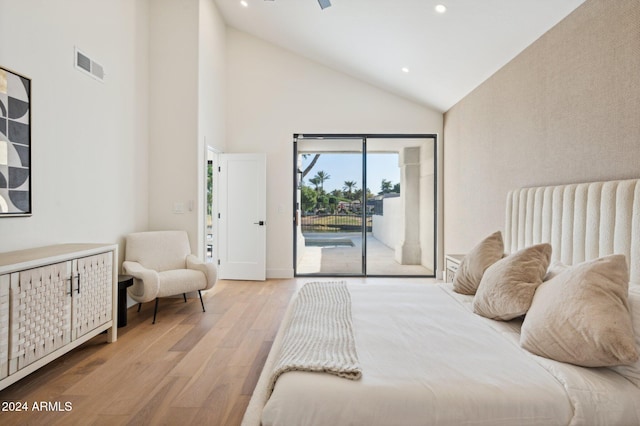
{"x": 428, "y": 360}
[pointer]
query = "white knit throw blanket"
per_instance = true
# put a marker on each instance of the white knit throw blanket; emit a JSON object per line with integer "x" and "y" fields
{"x": 319, "y": 336}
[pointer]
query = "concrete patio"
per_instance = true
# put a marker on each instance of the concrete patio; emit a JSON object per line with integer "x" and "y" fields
{"x": 339, "y": 258}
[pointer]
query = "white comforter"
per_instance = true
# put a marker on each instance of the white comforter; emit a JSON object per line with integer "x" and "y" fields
{"x": 428, "y": 360}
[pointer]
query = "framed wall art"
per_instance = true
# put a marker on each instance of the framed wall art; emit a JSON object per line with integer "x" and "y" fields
{"x": 15, "y": 144}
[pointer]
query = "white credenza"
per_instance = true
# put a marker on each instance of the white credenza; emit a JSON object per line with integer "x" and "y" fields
{"x": 53, "y": 299}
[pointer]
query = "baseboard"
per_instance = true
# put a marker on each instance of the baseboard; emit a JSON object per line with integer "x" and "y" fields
{"x": 282, "y": 273}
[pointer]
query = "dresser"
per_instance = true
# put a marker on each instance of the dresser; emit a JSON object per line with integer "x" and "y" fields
{"x": 53, "y": 299}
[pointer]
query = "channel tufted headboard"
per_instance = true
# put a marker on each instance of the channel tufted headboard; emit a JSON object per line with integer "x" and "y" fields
{"x": 581, "y": 221}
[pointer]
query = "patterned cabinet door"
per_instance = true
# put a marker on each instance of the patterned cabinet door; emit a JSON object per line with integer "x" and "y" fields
{"x": 5, "y": 281}
{"x": 92, "y": 293}
{"x": 40, "y": 313}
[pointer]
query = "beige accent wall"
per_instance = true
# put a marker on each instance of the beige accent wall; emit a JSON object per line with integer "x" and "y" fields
{"x": 567, "y": 109}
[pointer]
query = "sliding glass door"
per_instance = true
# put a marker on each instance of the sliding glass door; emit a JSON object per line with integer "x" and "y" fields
{"x": 329, "y": 186}
{"x": 400, "y": 173}
{"x": 364, "y": 205}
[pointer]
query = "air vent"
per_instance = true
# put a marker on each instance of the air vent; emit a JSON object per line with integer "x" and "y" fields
{"x": 83, "y": 61}
{"x": 88, "y": 66}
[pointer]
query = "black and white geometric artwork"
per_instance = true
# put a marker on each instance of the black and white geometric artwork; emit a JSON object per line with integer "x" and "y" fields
{"x": 15, "y": 144}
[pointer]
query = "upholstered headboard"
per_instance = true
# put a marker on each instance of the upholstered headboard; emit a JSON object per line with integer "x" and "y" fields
{"x": 581, "y": 221}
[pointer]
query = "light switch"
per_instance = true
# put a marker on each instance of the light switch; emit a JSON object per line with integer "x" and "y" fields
{"x": 178, "y": 208}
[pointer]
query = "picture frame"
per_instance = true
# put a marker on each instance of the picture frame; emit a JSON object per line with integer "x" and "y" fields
{"x": 15, "y": 144}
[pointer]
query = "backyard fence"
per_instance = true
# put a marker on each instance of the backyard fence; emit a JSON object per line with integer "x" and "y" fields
{"x": 334, "y": 223}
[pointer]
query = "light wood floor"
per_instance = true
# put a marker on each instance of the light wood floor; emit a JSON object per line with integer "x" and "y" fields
{"x": 189, "y": 368}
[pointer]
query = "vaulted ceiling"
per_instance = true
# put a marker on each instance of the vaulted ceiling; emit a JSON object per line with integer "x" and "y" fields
{"x": 447, "y": 55}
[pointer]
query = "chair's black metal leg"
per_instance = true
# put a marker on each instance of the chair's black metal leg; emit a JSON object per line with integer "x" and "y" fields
{"x": 139, "y": 306}
{"x": 155, "y": 310}
{"x": 201, "y": 302}
{"x": 185, "y": 297}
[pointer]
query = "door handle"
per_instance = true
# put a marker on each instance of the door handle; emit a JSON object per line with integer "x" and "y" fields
{"x": 261, "y": 223}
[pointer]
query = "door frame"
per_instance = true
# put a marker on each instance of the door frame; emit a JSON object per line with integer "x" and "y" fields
{"x": 214, "y": 208}
{"x": 364, "y": 136}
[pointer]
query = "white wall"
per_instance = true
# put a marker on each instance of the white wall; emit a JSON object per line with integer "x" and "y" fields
{"x": 89, "y": 139}
{"x": 186, "y": 105}
{"x": 113, "y": 158}
{"x": 389, "y": 227}
{"x": 212, "y": 72}
{"x": 173, "y": 115}
{"x": 272, "y": 94}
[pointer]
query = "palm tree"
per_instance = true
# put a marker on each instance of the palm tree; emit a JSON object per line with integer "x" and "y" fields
{"x": 322, "y": 177}
{"x": 349, "y": 186}
{"x": 385, "y": 186}
{"x": 357, "y": 195}
{"x": 315, "y": 182}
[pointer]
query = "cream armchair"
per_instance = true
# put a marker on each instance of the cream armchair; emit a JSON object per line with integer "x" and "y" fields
{"x": 162, "y": 265}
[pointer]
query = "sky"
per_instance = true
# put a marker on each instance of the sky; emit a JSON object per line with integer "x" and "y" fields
{"x": 348, "y": 166}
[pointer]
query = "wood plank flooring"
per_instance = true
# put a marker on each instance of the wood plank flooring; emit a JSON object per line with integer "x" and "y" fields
{"x": 188, "y": 368}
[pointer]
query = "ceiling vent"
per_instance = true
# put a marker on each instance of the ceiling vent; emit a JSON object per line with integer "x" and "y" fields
{"x": 88, "y": 66}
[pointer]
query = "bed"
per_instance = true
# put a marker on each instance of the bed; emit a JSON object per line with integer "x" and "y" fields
{"x": 426, "y": 358}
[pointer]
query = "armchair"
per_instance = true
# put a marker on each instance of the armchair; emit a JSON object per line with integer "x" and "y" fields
{"x": 162, "y": 265}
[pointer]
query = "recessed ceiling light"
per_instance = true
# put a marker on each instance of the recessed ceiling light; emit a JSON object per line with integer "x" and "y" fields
{"x": 243, "y": 3}
{"x": 405, "y": 69}
{"x": 441, "y": 8}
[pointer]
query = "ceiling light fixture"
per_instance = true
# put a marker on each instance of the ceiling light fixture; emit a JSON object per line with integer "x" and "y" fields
{"x": 441, "y": 8}
{"x": 243, "y": 3}
{"x": 405, "y": 69}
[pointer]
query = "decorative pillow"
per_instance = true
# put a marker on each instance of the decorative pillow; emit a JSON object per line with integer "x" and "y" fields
{"x": 632, "y": 372}
{"x": 556, "y": 268}
{"x": 581, "y": 316}
{"x": 473, "y": 265}
{"x": 507, "y": 286}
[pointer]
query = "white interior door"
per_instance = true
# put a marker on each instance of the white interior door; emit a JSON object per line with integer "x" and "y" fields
{"x": 242, "y": 221}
